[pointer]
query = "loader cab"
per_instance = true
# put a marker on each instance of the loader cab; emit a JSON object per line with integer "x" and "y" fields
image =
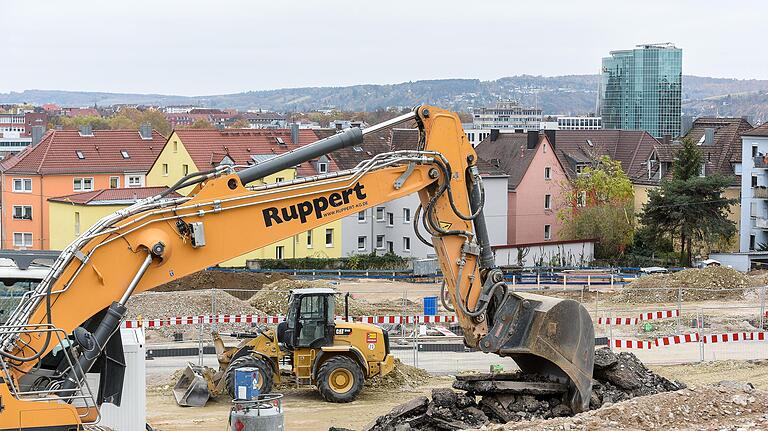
{"x": 310, "y": 319}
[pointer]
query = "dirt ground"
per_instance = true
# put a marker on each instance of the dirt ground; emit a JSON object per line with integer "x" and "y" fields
{"x": 305, "y": 409}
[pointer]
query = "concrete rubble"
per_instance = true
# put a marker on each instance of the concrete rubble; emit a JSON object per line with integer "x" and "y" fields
{"x": 617, "y": 377}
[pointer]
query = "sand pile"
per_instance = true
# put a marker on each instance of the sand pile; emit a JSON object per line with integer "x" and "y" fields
{"x": 214, "y": 279}
{"x": 402, "y": 377}
{"x": 715, "y": 282}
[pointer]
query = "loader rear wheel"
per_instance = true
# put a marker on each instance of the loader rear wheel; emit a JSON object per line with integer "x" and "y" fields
{"x": 340, "y": 379}
{"x": 265, "y": 373}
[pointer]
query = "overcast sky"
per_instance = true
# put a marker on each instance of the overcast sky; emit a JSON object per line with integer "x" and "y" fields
{"x": 197, "y": 48}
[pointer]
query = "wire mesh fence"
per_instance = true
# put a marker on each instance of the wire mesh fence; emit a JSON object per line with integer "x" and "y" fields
{"x": 662, "y": 325}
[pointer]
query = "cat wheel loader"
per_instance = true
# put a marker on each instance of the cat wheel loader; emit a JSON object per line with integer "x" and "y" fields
{"x": 66, "y": 328}
{"x": 334, "y": 355}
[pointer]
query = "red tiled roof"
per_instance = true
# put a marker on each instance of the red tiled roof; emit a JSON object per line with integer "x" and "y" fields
{"x": 208, "y": 147}
{"x": 726, "y": 148}
{"x": 57, "y": 153}
{"x": 112, "y": 196}
{"x": 510, "y": 153}
{"x": 761, "y": 130}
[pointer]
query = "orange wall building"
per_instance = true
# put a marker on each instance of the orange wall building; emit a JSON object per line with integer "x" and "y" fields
{"x": 63, "y": 163}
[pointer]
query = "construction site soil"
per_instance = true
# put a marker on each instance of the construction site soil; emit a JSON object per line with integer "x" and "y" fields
{"x": 710, "y": 283}
{"x": 240, "y": 284}
{"x": 617, "y": 377}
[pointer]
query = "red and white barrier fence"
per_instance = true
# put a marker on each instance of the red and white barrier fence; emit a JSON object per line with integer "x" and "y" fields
{"x": 730, "y": 337}
{"x": 631, "y": 321}
{"x": 252, "y": 318}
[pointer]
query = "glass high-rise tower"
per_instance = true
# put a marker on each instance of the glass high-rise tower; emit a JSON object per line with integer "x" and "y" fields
{"x": 640, "y": 89}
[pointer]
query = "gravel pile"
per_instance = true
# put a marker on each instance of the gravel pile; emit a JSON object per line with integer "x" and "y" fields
{"x": 617, "y": 378}
{"x": 403, "y": 377}
{"x": 715, "y": 282}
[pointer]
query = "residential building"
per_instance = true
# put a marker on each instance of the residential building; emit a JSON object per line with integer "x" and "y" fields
{"x": 72, "y": 214}
{"x": 63, "y": 163}
{"x": 506, "y": 114}
{"x": 579, "y": 122}
{"x": 475, "y": 136}
{"x": 389, "y": 227}
{"x": 640, "y": 89}
{"x": 23, "y": 122}
{"x": 753, "y": 235}
{"x": 266, "y": 120}
{"x": 193, "y": 150}
{"x": 535, "y": 183}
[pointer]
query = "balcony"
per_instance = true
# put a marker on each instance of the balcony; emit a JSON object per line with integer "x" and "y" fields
{"x": 761, "y": 223}
{"x": 760, "y": 192}
{"x": 761, "y": 162}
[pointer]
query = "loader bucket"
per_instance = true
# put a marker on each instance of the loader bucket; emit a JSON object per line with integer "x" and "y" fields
{"x": 550, "y": 337}
{"x": 192, "y": 388}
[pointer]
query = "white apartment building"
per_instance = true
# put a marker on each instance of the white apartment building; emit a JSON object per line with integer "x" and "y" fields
{"x": 753, "y": 234}
{"x": 506, "y": 114}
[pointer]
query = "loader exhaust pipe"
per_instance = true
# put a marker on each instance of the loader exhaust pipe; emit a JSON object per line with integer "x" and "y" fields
{"x": 349, "y": 138}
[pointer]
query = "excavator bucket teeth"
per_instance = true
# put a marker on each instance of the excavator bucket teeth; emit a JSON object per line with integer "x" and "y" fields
{"x": 549, "y": 337}
{"x": 192, "y": 388}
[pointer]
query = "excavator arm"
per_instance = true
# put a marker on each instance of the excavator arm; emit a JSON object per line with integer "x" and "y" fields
{"x": 79, "y": 305}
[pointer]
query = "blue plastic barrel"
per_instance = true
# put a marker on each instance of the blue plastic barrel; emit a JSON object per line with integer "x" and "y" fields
{"x": 430, "y": 305}
{"x": 246, "y": 383}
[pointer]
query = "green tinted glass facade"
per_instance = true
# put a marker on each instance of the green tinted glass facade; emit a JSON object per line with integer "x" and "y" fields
{"x": 640, "y": 89}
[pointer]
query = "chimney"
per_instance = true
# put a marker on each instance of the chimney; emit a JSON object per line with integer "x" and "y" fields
{"x": 666, "y": 139}
{"x": 709, "y": 136}
{"x": 219, "y": 126}
{"x": 494, "y": 135}
{"x": 145, "y": 130}
{"x": 37, "y": 134}
{"x": 550, "y": 134}
{"x": 533, "y": 139}
{"x": 295, "y": 133}
{"x": 86, "y": 130}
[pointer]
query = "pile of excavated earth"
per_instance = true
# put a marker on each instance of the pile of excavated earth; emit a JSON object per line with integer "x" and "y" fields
{"x": 273, "y": 299}
{"x": 714, "y": 282}
{"x": 240, "y": 284}
{"x": 617, "y": 377}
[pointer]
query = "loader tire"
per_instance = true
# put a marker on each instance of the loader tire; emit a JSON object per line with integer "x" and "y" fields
{"x": 265, "y": 373}
{"x": 340, "y": 379}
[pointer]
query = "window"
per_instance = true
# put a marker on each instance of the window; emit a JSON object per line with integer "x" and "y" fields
{"x": 379, "y": 241}
{"x": 125, "y": 154}
{"x": 361, "y": 242}
{"x": 329, "y": 237}
{"x": 165, "y": 169}
{"x": 309, "y": 239}
{"x": 279, "y": 179}
{"x": 22, "y": 239}
{"x": 80, "y": 155}
{"x": 134, "y": 181}
{"x": 279, "y": 252}
{"x": 751, "y": 242}
{"x": 581, "y": 199}
{"x": 114, "y": 182}
{"x": 579, "y": 169}
{"x": 406, "y": 244}
{"x": 547, "y": 173}
{"x": 547, "y": 202}
{"x": 702, "y": 170}
{"x": 185, "y": 169}
{"x": 390, "y": 247}
{"x": 390, "y": 219}
{"x": 77, "y": 223}
{"x": 322, "y": 167}
{"x": 547, "y": 231}
{"x": 754, "y": 151}
{"x": 175, "y": 146}
{"x": 83, "y": 184}
{"x": 22, "y": 185}
{"x": 22, "y": 212}
{"x": 361, "y": 216}
{"x": 380, "y": 214}
{"x": 406, "y": 215}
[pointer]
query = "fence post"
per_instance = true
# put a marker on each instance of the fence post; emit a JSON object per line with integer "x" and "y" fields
{"x": 538, "y": 279}
{"x": 699, "y": 324}
{"x": 565, "y": 283}
{"x": 513, "y": 282}
{"x": 589, "y": 280}
{"x": 610, "y": 330}
{"x": 213, "y": 309}
{"x": 762, "y": 308}
{"x": 611, "y": 281}
{"x": 679, "y": 307}
{"x": 200, "y": 345}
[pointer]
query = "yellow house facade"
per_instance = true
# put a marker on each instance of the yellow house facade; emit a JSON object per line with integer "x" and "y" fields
{"x": 194, "y": 150}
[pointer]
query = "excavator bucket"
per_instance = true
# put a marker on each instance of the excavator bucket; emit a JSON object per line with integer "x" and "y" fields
{"x": 192, "y": 388}
{"x": 549, "y": 337}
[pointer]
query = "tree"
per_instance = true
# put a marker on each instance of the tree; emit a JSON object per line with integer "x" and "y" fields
{"x": 157, "y": 120}
{"x": 689, "y": 206}
{"x": 241, "y": 123}
{"x": 599, "y": 204}
{"x": 201, "y": 124}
